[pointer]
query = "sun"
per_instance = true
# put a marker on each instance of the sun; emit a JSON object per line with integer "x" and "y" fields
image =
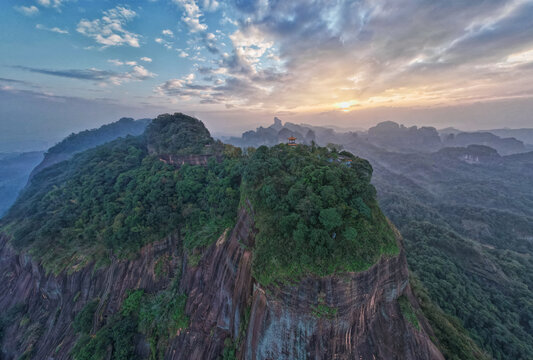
{"x": 345, "y": 105}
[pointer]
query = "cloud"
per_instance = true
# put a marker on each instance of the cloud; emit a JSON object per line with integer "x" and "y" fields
{"x": 51, "y": 3}
{"x": 109, "y": 29}
{"x": 14, "y": 81}
{"x": 52, "y": 29}
{"x": 191, "y": 15}
{"x": 165, "y": 43}
{"x": 146, "y": 59}
{"x": 101, "y": 77}
{"x": 192, "y": 18}
{"x": 210, "y": 5}
{"x": 250, "y": 44}
{"x": 27, "y": 10}
{"x": 115, "y": 62}
{"x": 168, "y": 33}
{"x": 312, "y": 55}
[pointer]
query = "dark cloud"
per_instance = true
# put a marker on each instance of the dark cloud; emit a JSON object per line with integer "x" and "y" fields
{"x": 14, "y": 81}
{"x": 138, "y": 72}
{"x": 88, "y": 74}
{"x": 209, "y": 42}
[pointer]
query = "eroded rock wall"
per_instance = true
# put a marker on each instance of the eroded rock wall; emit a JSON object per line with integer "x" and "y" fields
{"x": 347, "y": 316}
{"x": 51, "y": 302}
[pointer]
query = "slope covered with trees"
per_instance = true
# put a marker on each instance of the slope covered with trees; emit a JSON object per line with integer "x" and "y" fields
{"x": 116, "y": 198}
{"x": 314, "y": 208}
{"x": 467, "y": 228}
{"x": 317, "y": 212}
{"x": 183, "y": 137}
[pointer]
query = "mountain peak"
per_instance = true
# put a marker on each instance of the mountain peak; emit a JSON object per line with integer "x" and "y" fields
{"x": 177, "y": 134}
{"x": 278, "y": 124}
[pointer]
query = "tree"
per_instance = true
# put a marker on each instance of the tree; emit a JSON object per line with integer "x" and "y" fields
{"x": 330, "y": 219}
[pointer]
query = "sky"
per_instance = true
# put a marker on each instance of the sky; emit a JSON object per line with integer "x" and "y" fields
{"x": 68, "y": 65}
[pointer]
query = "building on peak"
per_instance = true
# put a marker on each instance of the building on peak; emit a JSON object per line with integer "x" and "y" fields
{"x": 292, "y": 141}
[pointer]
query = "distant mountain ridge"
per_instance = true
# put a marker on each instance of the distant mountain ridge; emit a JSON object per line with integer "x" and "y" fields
{"x": 78, "y": 142}
{"x": 504, "y": 146}
{"x": 393, "y": 136}
{"x": 388, "y": 135}
{"x": 17, "y": 168}
{"x": 524, "y": 134}
{"x": 278, "y": 133}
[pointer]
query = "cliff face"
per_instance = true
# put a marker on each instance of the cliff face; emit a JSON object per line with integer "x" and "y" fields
{"x": 365, "y": 323}
{"x": 51, "y": 302}
{"x": 219, "y": 289}
{"x": 349, "y": 316}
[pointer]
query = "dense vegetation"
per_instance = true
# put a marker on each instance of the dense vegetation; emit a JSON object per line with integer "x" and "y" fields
{"x": 316, "y": 213}
{"x": 498, "y": 316}
{"x": 466, "y": 229}
{"x": 408, "y": 312}
{"x": 157, "y": 317}
{"x": 178, "y": 134}
{"x": 83, "y": 322}
{"x": 116, "y": 198}
{"x": 88, "y": 139}
{"x": 452, "y": 339}
{"x": 316, "y": 210}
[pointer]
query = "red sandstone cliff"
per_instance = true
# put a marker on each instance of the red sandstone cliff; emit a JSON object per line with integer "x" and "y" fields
{"x": 53, "y": 301}
{"x": 283, "y": 323}
{"x": 223, "y": 302}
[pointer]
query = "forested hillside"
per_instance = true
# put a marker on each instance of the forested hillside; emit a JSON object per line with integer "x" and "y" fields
{"x": 468, "y": 230}
{"x": 468, "y": 240}
{"x": 116, "y": 198}
{"x": 315, "y": 204}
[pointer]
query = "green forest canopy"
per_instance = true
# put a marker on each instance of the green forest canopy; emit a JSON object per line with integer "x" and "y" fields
{"x": 315, "y": 213}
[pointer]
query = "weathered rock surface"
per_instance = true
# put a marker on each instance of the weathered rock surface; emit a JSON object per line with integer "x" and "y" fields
{"x": 53, "y": 301}
{"x": 224, "y": 302}
{"x": 283, "y": 322}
